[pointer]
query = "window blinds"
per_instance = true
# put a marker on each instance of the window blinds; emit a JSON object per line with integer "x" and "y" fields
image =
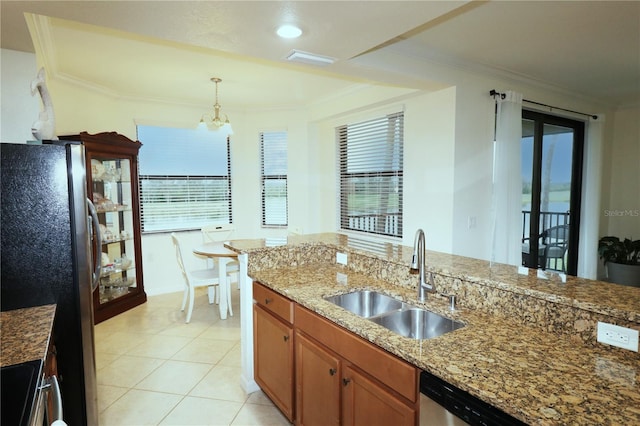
{"x": 273, "y": 155}
{"x": 184, "y": 179}
{"x": 371, "y": 168}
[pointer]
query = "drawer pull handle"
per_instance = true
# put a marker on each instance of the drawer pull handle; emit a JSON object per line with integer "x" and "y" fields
{"x": 346, "y": 381}
{"x": 286, "y": 338}
{"x": 267, "y": 301}
{"x": 332, "y": 371}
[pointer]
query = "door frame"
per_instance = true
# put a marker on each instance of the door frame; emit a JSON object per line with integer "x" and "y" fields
{"x": 540, "y": 119}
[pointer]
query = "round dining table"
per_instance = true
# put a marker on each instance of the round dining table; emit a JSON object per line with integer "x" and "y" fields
{"x": 222, "y": 255}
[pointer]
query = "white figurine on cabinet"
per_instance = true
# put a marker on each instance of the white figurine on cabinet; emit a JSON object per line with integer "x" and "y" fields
{"x": 45, "y": 126}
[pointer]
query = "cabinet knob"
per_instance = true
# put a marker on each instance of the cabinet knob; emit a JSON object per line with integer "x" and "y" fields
{"x": 346, "y": 381}
{"x": 286, "y": 338}
{"x": 267, "y": 301}
{"x": 332, "y": 371}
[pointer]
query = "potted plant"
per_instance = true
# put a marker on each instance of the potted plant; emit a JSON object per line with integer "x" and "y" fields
{"x": 622, "y": 259}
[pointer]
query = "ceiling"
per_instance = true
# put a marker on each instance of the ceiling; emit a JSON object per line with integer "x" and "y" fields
{"x": 168, "y": 50}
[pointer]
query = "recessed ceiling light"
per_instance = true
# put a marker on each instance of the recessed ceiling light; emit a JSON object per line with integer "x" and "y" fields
{"x": 289, "y": 31}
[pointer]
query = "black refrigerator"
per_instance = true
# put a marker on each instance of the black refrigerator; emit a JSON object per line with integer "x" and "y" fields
{"x": 47, "y": 241}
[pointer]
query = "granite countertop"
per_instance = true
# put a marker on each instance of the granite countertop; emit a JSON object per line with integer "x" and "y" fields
{"x": 538, "y": 377}
{"x": 614, "y": 300}
{"x": 25, "y": 334}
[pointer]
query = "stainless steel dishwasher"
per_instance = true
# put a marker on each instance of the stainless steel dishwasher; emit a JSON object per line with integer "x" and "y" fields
{"x": 442, "y": 404}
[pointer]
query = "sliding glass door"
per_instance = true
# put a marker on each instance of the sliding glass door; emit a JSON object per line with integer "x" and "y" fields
{"x": 551, "y": 181}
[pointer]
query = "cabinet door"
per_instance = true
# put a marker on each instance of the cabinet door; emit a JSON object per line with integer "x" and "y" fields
{"x": 273, "y": 359}
{"x": 364, "y": 402}
{"x": 112, "y": 196}
{"x": 318, "y": 375}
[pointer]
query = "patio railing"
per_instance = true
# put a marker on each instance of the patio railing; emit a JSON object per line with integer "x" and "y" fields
{"x": 384, "y": 224}
{"x": 547, "y": 220}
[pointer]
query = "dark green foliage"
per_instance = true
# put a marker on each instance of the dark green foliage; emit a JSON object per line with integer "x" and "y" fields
{"x": 627, "y": 252}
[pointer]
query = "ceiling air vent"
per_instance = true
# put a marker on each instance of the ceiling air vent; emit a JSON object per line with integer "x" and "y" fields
{"x": 309, "y": 58}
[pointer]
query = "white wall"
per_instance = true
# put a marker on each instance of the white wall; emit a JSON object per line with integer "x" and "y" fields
{"x": 429, "y": 159}
{"x": 474, "y": 112}
{"x": 473, "y": 165}
{"x": 621, "y": 201}
{"x": 448, "y": 156}
{"x": 19, "y": 109}
{"x": 160, "y": 268}
{"x": 429, "y": 145}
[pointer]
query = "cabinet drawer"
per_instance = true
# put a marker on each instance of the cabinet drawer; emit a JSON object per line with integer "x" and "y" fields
{"x": 395, "y": 373}
{"x": 273, "y": 302}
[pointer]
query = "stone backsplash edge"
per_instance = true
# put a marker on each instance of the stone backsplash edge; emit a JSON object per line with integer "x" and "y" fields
{"x": 552, "y": 316}
{"x": 556, "y": 316}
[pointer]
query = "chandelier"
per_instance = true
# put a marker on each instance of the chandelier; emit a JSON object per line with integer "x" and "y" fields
{"x": 216, "y": 121}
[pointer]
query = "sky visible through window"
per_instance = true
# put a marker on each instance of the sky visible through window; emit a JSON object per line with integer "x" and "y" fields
{"x": 184, "y": 178}
{"x": 559, "y": 168}
{"x": 181, "y": 152}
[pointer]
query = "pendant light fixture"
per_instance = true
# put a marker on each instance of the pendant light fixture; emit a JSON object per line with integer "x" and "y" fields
{"x": 216, "y": 122}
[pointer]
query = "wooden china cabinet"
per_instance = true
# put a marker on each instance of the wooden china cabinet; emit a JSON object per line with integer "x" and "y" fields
{"x": 112, "y": 185}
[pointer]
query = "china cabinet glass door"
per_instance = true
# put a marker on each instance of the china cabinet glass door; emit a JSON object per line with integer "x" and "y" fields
{"x": 111, "y": 182}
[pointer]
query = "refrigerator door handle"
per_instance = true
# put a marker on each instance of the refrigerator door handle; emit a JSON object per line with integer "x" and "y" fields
{"x": 56, "y": 413}
{"x": 97, "y": 244}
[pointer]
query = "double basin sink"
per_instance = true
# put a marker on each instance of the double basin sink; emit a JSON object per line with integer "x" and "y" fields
{"x": 399, "y": 317}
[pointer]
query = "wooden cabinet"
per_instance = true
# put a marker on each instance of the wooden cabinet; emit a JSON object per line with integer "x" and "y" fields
{"x": 273, "y": 347}
{"x": 318, "y": 381}
{"x": 340, "y": 378}
{"x": 365, "y": 402}
{"x": 112, "y": 185}
{"x": 343, "y": 379}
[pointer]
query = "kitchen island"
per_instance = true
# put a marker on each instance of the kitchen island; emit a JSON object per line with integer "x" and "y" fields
{"x": 528, "y": 346}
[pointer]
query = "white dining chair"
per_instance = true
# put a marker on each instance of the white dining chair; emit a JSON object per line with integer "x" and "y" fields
{"x": 198, "y": 278}
{"x": 222, "y": 232}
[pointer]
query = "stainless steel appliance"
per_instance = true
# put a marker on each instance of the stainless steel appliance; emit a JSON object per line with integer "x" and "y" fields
{"x": 26, "y": 392}
{"x": 442, "y": 404}
{"x": 47, "y": 258}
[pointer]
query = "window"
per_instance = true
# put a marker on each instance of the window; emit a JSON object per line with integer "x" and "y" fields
{"x": 185, "y": 178}
{"x": 371, "y": 161}
{"x": 273, "y": 158}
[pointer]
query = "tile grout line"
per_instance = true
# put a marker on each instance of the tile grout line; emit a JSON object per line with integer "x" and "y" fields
{"x": 210, "y": 326}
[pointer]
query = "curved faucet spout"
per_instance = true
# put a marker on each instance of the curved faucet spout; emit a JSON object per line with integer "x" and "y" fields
{"x": 418, "y": 265}
{"x": 415, "y": 260}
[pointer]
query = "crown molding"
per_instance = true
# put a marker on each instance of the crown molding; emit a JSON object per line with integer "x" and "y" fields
{"x": 455, "y": 63}
{"x": 40, "y": 30}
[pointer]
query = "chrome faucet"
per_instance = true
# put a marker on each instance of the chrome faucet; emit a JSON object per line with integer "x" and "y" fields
{"x": 417, "y": 266}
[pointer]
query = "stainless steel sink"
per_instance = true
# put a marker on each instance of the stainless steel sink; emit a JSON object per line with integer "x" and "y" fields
{"x": 366, "y": 303}
{"x": 417, "y": 323}
{"x": 399, "y": 317}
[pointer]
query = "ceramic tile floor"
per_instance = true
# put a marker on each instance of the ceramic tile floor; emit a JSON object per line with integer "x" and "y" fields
{"x": 153, "y": 369}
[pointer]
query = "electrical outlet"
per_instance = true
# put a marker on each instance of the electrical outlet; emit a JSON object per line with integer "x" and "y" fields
{"x": 341, "y": 258}
{"x": 615, "y": 335}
